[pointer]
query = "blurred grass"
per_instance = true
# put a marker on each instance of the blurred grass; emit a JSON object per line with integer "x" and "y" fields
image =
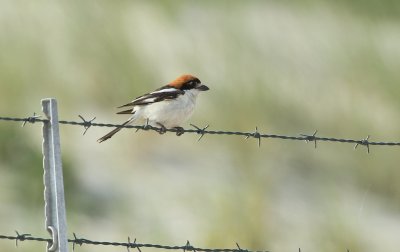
{"x": 287, "y": 67}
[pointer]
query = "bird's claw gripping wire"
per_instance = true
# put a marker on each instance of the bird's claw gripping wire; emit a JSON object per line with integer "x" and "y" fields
{"x": 86, "y": 124}
{"x": 146, "y": 126}
{"x": 200, "y": 131}
{"x": 255, "y": 134}
{"x": 31, "y": 119}
{"x": 179, "y": 131}
{"x": 311, "y": 138}
{"x": 162, "y": 129}
{"x": 363, "y": 142}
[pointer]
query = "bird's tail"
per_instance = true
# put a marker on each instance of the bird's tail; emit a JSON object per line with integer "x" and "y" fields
{"x": 113, "y": 132}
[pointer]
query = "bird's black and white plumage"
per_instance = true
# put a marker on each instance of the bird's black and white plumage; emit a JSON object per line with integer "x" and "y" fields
{"x": 168, "y": 106}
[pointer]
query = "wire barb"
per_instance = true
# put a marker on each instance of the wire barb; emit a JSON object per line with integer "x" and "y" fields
{"x": 311, "y": 138}
{"x": 255, "y": 134}
{"x": 200, "y": 131}
{"x": 76, "y": 241}
{"x": 188, "y": 247}
{"x": 129, "y": 244}
{"x": 239, "y": 248}
{"x": 20, "y": 237}
{"x": 134, "y": 245}
{"x": 31, "y": 119}
{"x": 364, "y": 142}
{"x": 86, "y": 124}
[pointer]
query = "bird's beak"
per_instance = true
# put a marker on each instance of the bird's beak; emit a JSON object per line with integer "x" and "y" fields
{"x": 202, "y": 88}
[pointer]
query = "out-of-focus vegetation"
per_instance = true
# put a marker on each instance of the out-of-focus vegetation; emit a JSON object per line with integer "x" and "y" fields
{"x": 286, "y": 67}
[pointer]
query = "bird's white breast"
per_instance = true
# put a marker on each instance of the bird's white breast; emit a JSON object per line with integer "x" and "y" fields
{"x": 170, "y": 113}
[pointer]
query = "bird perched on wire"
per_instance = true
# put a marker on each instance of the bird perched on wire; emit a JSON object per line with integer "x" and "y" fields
{"x": 166, "y": 107}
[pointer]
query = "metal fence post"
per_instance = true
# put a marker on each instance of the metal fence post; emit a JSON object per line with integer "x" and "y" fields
{"x": 55, "y": 215}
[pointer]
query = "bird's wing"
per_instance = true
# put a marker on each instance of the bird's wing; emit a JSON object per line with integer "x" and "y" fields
{"x": 161, "y": 94}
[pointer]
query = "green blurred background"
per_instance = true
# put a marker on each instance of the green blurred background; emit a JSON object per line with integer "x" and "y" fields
{"x": 289, "y": 67}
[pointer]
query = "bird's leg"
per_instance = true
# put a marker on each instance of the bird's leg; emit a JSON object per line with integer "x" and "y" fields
{"x": 162, "y": 129}
{"x": 179, "y": 130}
{"x": 146, "y": 126}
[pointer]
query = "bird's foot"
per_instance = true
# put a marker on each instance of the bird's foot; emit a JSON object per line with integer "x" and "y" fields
{"x": 179, "y": 131}
{"x": 162, "y": 129}
{"x": 146, "y": 126}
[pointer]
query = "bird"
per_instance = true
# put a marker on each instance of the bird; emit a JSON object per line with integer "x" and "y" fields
{"x": 166, "y": 107}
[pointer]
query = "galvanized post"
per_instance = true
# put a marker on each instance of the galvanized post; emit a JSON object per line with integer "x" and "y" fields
{"x": 55, "y": 221}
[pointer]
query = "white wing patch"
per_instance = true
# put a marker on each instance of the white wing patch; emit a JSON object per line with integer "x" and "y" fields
{"x": 165, "y": 90}
{"x": 147, "y": 100}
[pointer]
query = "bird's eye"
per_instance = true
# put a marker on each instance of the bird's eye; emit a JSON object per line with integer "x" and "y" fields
{"x": 192, "y": 83}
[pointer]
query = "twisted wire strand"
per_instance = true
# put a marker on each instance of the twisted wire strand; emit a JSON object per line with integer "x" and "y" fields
{"x": 203, "y": 131}
{"x": 129, "y": 244}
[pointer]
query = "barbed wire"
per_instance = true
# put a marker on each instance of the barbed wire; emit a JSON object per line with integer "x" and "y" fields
{"x": 201, "y": 131}
{"x": 134, "y": 245}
